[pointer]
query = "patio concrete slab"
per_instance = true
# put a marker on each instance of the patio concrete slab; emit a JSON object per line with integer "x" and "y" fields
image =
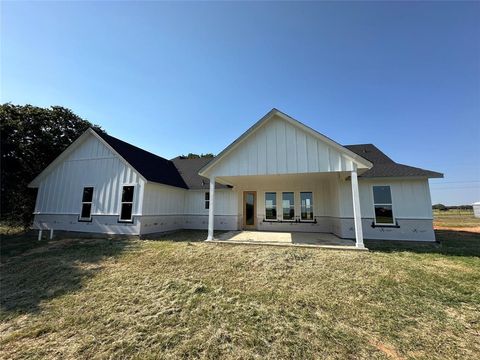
{"x": 298, "y": 239}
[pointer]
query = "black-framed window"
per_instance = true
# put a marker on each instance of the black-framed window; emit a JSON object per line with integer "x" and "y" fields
{"x": 126, "y": 206}
{"x": 306, "y": 200}
{"x": 271, "y": 205}
{"x": 87, "y": 199}
{"x": 288, "y": 206}
{"x": 207, "y": 200}
{"x": 382, "y": 203}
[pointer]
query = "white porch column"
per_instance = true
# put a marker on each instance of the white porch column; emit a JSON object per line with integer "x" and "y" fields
{"x": 357, "y": 216}
{"x": 211, "y": 206}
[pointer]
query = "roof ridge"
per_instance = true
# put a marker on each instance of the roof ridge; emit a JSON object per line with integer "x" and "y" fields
{"x": 131, "y": 145}
{"x": 151, "y": 166}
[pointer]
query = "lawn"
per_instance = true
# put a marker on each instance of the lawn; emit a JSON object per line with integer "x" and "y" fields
{"x": 456, "y": 219}
{"x": 179, "y": 297}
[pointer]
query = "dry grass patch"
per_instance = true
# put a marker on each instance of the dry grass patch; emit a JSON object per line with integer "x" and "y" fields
{"x": 175, "y": 298}
{"x": 461, "y": 220}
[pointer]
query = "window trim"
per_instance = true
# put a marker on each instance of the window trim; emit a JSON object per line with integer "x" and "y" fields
{"x": 313, "y": 208}
{"x": 393, "y": 223}
{"x": 276, "y": 206}
{"x": 86, "y": 219}
{"x": 206, "y": 201}
{"x": 131, "y": 220}
{"x": 294, "y": 212}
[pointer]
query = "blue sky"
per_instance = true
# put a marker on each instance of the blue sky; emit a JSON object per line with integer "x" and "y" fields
{"x": 175, "y": 78}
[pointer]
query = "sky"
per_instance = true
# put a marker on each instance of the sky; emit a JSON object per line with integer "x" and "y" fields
{"x": 180, "y": 77}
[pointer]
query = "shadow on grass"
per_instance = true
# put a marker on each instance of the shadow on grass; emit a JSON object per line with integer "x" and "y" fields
{"x": 454, "y": 243}
{"x": 31, "y": 273}
{"x": 181, "y": 236}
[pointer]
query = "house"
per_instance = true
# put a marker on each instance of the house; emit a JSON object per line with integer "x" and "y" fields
{"x": 280, "y": 175}
{"x": 476, "y": 209}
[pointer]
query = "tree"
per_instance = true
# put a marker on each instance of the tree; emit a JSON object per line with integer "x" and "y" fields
{"x": 31, "y": 138}
{"x": 439, "y": 207}
{"x": 197, "y": 156}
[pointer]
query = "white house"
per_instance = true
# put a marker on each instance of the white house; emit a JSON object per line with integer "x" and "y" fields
{"x": 280, "y": 175}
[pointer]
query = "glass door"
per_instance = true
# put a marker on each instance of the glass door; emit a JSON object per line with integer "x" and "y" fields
{"x": 249, "y": 209}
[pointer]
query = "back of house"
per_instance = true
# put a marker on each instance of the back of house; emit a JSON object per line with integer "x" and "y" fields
{"x": 280, "y": 175}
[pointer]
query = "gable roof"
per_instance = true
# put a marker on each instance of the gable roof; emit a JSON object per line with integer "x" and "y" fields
{"x": 188, "y": 169}
{"x": 383, "y": 166}
{"x": 152, "y": 167}
{"x": 185, "y": 173}
{"x": 364, "y": 163}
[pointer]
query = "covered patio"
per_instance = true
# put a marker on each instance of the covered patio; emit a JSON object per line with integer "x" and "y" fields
{"x": 295, "y": 239}
{"x": 292, "y": 183}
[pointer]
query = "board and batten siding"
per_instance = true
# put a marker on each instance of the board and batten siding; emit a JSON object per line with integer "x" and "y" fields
{"x": 90, "y": 164}
{"x": 166, "y": 200}
{"x": 323, "y": 189}
{"x": 278, "y": 147}
{"x": 163, "y": 200}
{"x": 225, "y": 202}
{"x": 410, "y": 198}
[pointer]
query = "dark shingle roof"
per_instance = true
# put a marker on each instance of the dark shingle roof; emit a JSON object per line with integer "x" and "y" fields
{"x": 152, "y": 167}
{"x": 383, "y": 166}
{"x": 189, "y": 168}
{"x": 183, "y": 173}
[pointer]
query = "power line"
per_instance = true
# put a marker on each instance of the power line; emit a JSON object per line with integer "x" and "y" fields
{"x": 456, "y": 182}
{"x": 457, "y": 187}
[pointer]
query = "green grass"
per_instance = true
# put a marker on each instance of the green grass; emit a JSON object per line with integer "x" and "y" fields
{"x": 182, "y": 298}
{"x": 455, "y": 218}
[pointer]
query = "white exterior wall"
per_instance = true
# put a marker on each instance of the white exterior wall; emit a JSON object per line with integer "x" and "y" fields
{"x": 59, "y": 198}
{"x": 91, "y": 164}
{"x": 225, "y": 202}
{"x": 323, "y": 193}
{"x": 163, "y": 200}
{"x": 412, "y": 210}
{"x": 476, "y": 209}
{"x": 411, "y": 198}
{"x": 168, "y": 208}
{"x": 278, "y": 147}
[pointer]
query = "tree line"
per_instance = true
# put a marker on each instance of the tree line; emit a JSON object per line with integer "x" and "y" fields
{"x": 31, "y": 137}
{"x": 442, "y": 207}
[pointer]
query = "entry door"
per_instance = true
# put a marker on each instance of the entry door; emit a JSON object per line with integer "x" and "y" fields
{"x": 249, "y": 209}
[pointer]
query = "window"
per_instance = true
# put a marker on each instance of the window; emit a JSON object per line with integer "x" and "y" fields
{"x": 87, "y": 198}
{"x": 207, "y": 200}
{"x": 127, "y": 203}
{"x": 307, "y": 206}
{"x": 271, "y": 206}
{"x": 382, "y": 202}
{"x": 288, "y": 206}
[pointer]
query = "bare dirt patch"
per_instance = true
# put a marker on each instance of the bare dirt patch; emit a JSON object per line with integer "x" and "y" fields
{"x": 472, "y": 229}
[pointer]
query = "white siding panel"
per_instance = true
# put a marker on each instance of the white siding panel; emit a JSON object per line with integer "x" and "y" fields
{"x": 411, "y": 198}
{"x": 281, "y": 148}
{"x": 163, "y": 200}
{"x": 301, "y": 151}
{"x": 271, "y": 150}
{"x": 312, "y": 155}
{"x": 91, "y": 164}
{"x": 291, "y": 152}
{"x": 225, "y": 202}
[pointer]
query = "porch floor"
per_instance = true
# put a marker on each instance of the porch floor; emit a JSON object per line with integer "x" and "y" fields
{"x": 298, "y": 239}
